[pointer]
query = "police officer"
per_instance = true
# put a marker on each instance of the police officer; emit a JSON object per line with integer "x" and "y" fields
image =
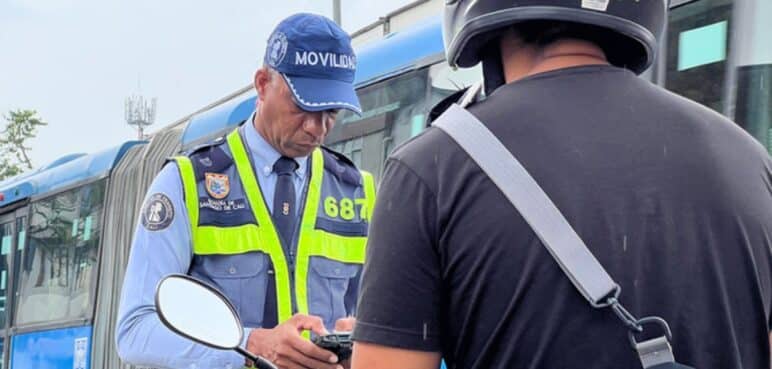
{"x": 265, "y": 214}
{"x": 674, "y": 200}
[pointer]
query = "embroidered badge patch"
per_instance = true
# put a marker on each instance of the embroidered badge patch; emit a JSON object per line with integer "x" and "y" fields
{"x": 158, "y": 212}
{"x": 278, "y": 47}
{"x": 205, "y": 161}
{"x": 218, "y": 185}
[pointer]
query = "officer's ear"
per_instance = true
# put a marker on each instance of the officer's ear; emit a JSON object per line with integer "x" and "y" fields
{"x": 263, "y": 79}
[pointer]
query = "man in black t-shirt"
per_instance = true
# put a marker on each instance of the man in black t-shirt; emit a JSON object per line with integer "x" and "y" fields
{"x": 674, "y": 200}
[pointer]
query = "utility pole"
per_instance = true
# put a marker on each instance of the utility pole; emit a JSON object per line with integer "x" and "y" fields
{"x": 336, "y": 12}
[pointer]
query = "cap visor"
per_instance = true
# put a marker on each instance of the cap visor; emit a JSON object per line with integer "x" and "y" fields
{"x": 316, "y": 94}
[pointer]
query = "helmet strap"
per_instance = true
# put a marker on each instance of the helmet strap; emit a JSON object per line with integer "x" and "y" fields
{"x": 493, "y": 69}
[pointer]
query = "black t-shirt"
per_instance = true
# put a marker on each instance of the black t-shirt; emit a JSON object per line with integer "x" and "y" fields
{"x": 672, "y": 198}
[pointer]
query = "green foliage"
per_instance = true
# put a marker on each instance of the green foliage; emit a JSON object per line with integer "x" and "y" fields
{"x": 21, "y": 125}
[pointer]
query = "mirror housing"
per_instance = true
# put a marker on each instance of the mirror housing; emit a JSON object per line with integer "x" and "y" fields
{"x": 199, "y": 312}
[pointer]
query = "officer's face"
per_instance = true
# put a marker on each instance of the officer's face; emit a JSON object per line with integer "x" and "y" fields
{"x": 290, "y": 130}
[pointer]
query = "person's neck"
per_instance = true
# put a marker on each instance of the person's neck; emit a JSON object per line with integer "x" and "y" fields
{"x": 259, "y": 127}
{"x": 526, "y": 60}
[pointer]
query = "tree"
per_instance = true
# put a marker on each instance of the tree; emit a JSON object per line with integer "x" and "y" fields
{"x": 21, "y": 125}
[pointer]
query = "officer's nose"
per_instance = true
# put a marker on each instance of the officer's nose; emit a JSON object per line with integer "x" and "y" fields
{"x": 315, "y": 124}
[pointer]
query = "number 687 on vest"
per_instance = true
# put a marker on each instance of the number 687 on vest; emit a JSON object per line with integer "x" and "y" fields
{"x": 345, "y": 208}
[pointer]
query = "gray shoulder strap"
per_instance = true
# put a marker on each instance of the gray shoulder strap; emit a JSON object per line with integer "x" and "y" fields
{"x": 578, "y": 263}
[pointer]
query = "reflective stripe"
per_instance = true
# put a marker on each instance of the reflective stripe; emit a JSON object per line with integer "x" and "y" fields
{"x": 345, "y": 249}
{"x": 212, "y": 240}
{"x": 209, "y": 240}
{"x": 308, "y": 233}
{"x": 320, "y": 243}
{"x": 369, "y": 184}
{"x": 316, "y": 242}
{"x": 191, "y": 194}
{"x": 269, "y": 240}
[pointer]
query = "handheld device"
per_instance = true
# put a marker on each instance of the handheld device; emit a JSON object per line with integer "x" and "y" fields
{"x": 338, "y": 343}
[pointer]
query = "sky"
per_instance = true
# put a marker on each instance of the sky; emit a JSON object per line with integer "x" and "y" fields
{"x": 76, "y": 61}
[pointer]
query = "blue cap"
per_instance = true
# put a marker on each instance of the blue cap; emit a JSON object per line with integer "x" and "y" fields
{"x": 316, "y": 59}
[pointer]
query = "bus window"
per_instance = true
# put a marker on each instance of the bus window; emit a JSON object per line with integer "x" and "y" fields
{"x": 697, "y": 49}
{"x": 59, "y": 263}
{"x": 753, "y": 105}
{"x": 352, "y": 149}
{"x": 392, "y": 112}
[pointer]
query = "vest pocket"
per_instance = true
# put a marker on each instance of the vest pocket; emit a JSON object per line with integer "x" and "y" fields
{"x": 328, "y": 281}
{"x": 243, "y": 280}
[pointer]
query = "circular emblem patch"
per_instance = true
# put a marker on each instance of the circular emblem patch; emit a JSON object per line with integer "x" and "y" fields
{"x": 158, "y": 213}
{"x": 278, "y": 49}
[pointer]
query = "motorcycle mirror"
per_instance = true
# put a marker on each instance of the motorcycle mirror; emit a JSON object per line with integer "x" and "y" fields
{"x": 201, "y": 313}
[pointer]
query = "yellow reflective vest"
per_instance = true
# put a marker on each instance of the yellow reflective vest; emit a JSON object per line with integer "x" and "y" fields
{"x": 235, "y": 244}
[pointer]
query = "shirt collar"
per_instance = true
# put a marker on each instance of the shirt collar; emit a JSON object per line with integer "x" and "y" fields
{"x": 264, "y": 155}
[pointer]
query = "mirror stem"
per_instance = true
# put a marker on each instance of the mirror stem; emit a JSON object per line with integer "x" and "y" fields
{"x": 260, "y": 363}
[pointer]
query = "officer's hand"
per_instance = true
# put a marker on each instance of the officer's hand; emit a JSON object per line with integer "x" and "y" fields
{"x": 345, "y": 324}
{"x": 287, "y": 349}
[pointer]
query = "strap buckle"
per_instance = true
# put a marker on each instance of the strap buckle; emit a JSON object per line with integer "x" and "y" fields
{"x": 633, "y": 324}
{"x": 650, "y": 320}
{"x": 651, "y": 352}
{"x": 655, "y": 351}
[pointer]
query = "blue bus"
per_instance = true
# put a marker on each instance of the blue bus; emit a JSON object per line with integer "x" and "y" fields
{"x": 66, "y": 228}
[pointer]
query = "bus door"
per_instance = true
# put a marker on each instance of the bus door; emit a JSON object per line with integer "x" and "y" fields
{"x": 13, "y": 229}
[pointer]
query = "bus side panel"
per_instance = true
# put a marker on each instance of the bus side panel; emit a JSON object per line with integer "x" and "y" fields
{"x": 67, "y": 348}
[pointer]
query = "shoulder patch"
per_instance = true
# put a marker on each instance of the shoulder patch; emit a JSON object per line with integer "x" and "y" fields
{"x": 341, "y": 167}
{"x": 158, "y": 213}
{"x": 209, "y": 159}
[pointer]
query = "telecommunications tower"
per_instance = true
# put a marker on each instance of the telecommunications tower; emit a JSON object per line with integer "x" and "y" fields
{"x": 140, "y": 113}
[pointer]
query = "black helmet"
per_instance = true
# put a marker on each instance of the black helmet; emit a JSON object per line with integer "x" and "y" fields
{"x": 634, "y": 24}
